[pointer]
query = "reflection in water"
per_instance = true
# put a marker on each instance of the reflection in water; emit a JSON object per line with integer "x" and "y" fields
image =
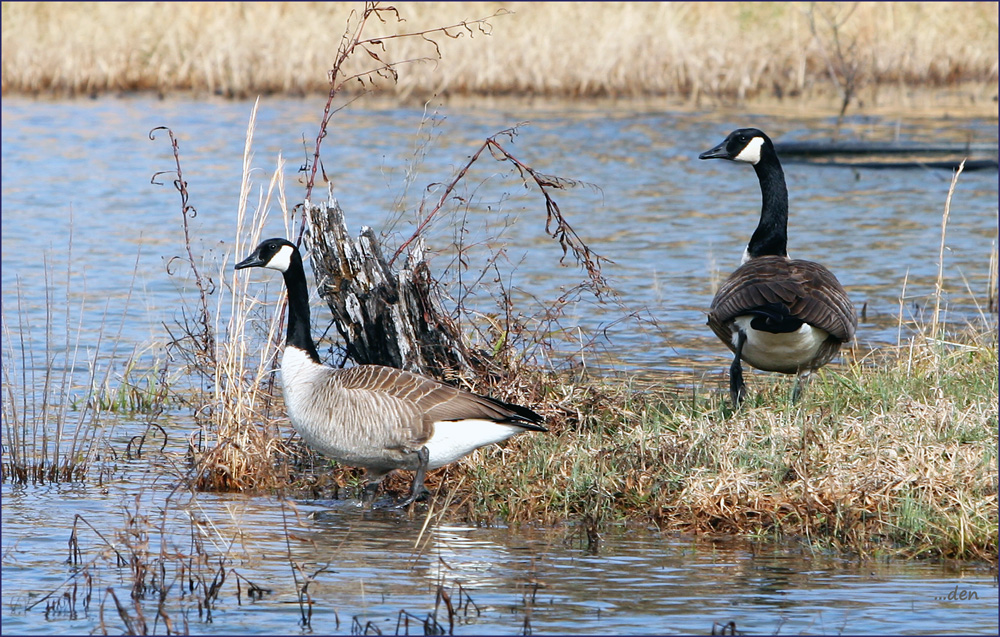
{"x": 641, "y": 582}
{"x": 369, "y": 567}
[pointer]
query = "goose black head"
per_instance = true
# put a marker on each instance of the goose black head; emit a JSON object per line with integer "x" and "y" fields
{"x": 743, "y": 144}
{"x": 275, "y": 254}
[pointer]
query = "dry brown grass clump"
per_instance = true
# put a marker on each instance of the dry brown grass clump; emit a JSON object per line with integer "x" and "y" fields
{"x": 683, "y": 50}
{"x": 227, "y": 345}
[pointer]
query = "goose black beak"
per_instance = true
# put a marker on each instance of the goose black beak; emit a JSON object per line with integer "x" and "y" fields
{"x": 251, "y": 261}
{"x": 719, "y": 152}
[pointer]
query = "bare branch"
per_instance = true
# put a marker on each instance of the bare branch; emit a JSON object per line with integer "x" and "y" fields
{"x": 350, "y": 43}
{"x": 556, "y": 225}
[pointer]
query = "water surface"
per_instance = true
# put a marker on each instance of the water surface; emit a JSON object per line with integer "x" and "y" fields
{"x": 370, "y": 568}
{"x": 87, "y": 241}
{"x": 671, "y": 225}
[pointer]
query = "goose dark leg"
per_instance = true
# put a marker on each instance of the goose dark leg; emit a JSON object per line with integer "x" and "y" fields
{"x": 418, "y": 491}
{"x": 737, "y": 388}
{"x": 800, "y": 385}
{"x": 368, "y": 494}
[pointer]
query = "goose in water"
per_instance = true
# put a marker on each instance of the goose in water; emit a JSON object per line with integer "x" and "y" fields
{"x": 376, "y": 417}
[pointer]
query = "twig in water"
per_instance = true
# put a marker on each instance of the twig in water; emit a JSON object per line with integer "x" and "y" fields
{"x": 729, "y": 628}
{"x": 205, "y": 284}
{"x": 134, "y": 625}
{"x": 302, "y": 586}
{"x": 254, "y": 592}
{"x": 358, "y": 629}
{"x": 429, "y": 624}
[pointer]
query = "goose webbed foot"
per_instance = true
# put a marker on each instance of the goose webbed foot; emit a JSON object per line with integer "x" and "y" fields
{"x": 737, "y": 388}
{"x": 418, "y": 495}
{"x": 418, "y": 492}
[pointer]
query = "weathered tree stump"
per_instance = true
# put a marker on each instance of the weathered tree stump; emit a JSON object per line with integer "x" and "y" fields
{"x": 384, "y": 318}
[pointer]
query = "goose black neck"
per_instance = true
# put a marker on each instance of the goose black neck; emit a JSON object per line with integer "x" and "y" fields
{"x": 298, "y": 308}
{"x": 771, "y": 235}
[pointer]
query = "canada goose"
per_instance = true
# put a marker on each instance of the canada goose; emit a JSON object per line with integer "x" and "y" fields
{"x": 375, "y": 417}
{"x": 777, "y": 314}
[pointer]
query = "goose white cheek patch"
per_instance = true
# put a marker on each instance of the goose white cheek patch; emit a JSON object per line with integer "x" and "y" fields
{"x": 281, "y": 260}
{"x": 751, "y": 154}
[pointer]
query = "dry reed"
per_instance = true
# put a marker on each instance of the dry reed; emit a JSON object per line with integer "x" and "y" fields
{"x": 680, "y": 50}
{"x": 239, "y": 446}
{"x": 56, "y": 421}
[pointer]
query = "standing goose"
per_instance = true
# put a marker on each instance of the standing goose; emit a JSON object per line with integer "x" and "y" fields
{"x": 375, "y": 417}
{"x": 777, "y": 314}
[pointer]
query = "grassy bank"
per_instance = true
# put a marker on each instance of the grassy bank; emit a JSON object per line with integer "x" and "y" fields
{"x": 894, "y": 455}
{"x": 891, "y": 455}
{"x": 892, "y": 451}
{"x": 724, "y": 51}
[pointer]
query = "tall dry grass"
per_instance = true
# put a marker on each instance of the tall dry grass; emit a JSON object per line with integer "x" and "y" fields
{"x": 685, "y": 50}
{"x": 58, "y": 421}
{"x": 239, "y": 445}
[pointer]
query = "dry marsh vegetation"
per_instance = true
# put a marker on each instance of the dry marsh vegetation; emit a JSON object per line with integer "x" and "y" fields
{"x": 231, "y": 391}
{"x": 58, "y": 420}
{"x": 893, "y": 452}
{"x": 723, "y": 51}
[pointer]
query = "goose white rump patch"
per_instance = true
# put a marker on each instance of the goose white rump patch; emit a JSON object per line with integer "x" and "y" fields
{"x": 455, "y": 439}
{"x": 779, "y": 352}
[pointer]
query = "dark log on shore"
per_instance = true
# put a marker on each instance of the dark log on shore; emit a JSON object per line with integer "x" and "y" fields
{"x": 384, "y": 318}
{"x": 816, "y": 149}
{"x": 970, "y": 165}
{"x": 921, "y": 155}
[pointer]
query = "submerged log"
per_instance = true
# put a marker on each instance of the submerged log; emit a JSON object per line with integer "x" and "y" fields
{"x": 384, "y": 317}
{"x": 813, "y": 149}
{"x": 970, "y": 165}
{"x": 919, "y": 155}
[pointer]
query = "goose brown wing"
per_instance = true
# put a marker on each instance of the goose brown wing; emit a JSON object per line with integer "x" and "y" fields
{"x": 435, "y": 401}
{"x": 809, "y": 291}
